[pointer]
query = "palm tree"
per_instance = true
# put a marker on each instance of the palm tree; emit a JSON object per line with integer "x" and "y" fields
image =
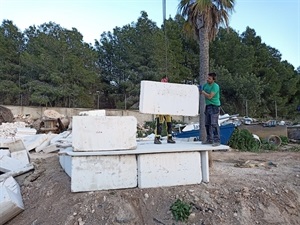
{"x": 203, "y": 19}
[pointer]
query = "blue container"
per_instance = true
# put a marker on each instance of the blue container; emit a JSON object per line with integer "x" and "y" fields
{"x": 225, "y": 132}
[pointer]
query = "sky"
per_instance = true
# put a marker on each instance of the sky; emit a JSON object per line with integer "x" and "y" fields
{"x": 277, "y": 22}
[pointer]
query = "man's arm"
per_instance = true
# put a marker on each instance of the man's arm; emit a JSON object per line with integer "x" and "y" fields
{"x": 209, "y": 96}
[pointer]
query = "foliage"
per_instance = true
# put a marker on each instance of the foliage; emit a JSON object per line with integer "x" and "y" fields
{"x": 49, "y": 65}
{"x": 180, "y": 210}
{"x": 284, "y": 140}
{"x": 243, "y": 140}
{"x": 265, "y": 145}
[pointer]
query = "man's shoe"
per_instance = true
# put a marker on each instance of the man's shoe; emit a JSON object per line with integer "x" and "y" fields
{"x": 216, "y": 144}
{"x": 207, "y": 142}
{"x": 171, "y": 141}
{"x": 157, "y": 141}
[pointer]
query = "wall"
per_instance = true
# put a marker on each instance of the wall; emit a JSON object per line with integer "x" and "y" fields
{"x": 37, "y": 112}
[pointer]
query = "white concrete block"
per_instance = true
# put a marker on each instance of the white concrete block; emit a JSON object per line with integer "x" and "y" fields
{"x": 65, "y": 136}
{"x": 20, "y": 171}
{"x": 10, "y": 164}
{"x": 21, "y": 156}
{"x": 50, "y": 148}
{"x": 98, "y": 133}
{"x": 93, "y": 173}
{"x": 4, "y": 152}
{"x": 11, "y": 203}
{"x": 169, "y": 169}
{"x": 6, "y": 141}
{"x": 169, "y": 98}
{"x": 66, "y": 163}
{"x": 33, "y": 141}
{"x": 46, "y": 142}
{"x": 16, "y": 145}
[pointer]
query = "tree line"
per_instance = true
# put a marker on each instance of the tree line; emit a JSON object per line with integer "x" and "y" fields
{"x": 52, "y": 66}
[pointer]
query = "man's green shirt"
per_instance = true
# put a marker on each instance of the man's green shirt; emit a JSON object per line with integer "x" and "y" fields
{"x": 214, "y": 87}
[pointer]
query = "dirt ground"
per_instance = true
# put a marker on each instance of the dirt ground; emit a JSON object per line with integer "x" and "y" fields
{"x": 244, "y": 188}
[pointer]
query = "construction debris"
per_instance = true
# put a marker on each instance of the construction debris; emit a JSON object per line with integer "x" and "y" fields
{"x": 17, "y": 139}
{"x": 11, "y": 203}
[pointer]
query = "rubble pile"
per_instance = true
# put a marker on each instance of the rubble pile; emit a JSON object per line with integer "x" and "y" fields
{"x": 17, "y": 140}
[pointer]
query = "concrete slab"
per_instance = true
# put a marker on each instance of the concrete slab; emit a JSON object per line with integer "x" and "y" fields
{"x": 8, "y": 164}
{"x": 98, "y": 133}
{"x": 93, "y": 173}
{"x": 169, "y": 169}
{"x": 33, "y": 141}
{"x": 66, "y": 163}
{"x": 16, "y": 145}
{"x": 4, "y": 152}
{"x": 147, "y": 147}
{"x": 11, "y": 203}
{"x": 46, "y": 142}
{"x": 50, "y": 148}
{"x": 21, "y": 156}
{"x": 169, "y": 98}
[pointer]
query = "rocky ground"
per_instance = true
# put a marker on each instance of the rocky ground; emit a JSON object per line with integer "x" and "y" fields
{"x": 244, "y": 188}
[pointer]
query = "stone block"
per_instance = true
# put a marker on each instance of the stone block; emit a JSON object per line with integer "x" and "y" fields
{"x": 50, "y": 148}
{"x": 33, "y": 141}
{"x": 169, "y": 98}
{"x": 8, "y": 164}
{"x": 4, "y": 152}
{"x": 17, "y": 145}
{"x": 91, "y": 173}
{"x": 169, "y": 169}
{"x": 21, "y": 156}
{"x": 11, "y": 203}
{"x": 98, "y": 133}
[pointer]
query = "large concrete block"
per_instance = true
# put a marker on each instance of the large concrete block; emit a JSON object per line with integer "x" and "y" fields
{"x": 169, "y": 169}
{"x": 98, "y": 133}
{"x": 11, "y": 203}
{"x": 8, "y": 164}
{"x": 91, "y": 173}
{"x": 22, "y": 156}
{"x": 168, "y": 98}
{"x": 17, "y": 145}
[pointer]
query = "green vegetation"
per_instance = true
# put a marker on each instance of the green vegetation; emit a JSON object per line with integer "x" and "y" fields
{"x": 48, "y": 65}
{"x": 243, "y": 140}
{"x": 180, "y": 210}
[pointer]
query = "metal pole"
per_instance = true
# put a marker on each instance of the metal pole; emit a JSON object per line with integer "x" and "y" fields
{"x": 98, "y": 101}
{"x": 166, "y": 41}
{"x": 246, "y": 107}
{"x": 275, "y": 110}
{"x": 164, "y": 10}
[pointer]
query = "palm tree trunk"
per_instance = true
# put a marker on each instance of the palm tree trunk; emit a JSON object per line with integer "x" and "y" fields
{"x": 203, "y": 71}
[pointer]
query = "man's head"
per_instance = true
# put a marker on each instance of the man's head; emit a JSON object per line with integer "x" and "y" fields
{"x": 164, "y": 79}
{"x": 211, "y": 78}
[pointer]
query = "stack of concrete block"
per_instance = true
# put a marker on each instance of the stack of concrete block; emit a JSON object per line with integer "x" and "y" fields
{"x": 105, "y": 155}
{"x": 97, "y": 133}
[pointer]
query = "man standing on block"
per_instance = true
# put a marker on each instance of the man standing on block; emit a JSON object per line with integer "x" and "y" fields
{"x": 159, "y": 120}
{"x": 211, "y": 92}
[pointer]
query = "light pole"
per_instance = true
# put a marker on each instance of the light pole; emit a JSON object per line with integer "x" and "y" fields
{"x": 98, "y": 101}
